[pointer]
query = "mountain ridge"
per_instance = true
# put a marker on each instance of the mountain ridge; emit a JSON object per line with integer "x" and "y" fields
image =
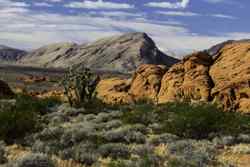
{"x": 9, "y": 54}
{"x": 122, "y": 53}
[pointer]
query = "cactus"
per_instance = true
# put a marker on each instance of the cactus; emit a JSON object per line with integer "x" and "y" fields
{"x": 79, "y": 85}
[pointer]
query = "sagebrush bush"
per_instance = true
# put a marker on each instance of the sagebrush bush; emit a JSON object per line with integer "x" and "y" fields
{"x": 164, "y": 138}
{"x": 125, "y": 134}
{"x": 114, "y": 150}
{"x": 85, "y": 153}
{"x": 2, "y": 153}
{"x": 34, "y": 160}
{"x": 193, "y": 153}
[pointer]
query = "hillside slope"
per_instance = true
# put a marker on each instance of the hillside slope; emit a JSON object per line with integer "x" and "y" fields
{"x": 8, "y": 54}
{"x": 118, "y": 53}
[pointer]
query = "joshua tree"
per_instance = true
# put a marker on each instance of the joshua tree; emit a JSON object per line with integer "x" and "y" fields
{"x": 79, "y": 85}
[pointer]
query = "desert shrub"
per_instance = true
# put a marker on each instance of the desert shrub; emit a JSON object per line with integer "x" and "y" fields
{"x": 192, "y": 152}
{"x": 164, "y": 138}
{"x": 122, "y": 163}
{"x": 17, "y": 123}
{"x": 177, "y": 162}
{"x": 243, "y": 138}
{"x": 85, "y": 153}
{"x": 125, "y": 134}
{"x": 144, "y": 161}
{"x": 51, "y": 147}
{"x": 23, "y": 117}
{"x": 41, "y": 106}
{"x": 141, "y": 150}
{"x": 224, "y": 140}
{"x": 148, "y": 160}
{"x": 34, "y": 160}
{"x": 79, "y": 86}
{"x": 109, "y": 125}
{"x": 114, "y": 150}
{"x": 199, "y": 121}
{"x": 2, "y": 153}
{"x": 141, "y": 113}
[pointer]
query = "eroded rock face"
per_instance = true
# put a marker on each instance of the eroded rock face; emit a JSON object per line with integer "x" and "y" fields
{"x": 5, "y": 91}
{"x": 188, "y": 79}
{"x": 231, "y": 76}
{"x": 146, "y": 82}
{"x": 222, "y": 78}
{"x": 114, "y": 91}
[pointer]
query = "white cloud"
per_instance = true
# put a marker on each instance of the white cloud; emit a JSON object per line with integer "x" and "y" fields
{"x": 100, "y": 4}
{"x": 214, "y": 1}
{"x": 178, "y": 13}
{"x": 23, "y": 28}
{"x": 223, "y": 16}
{"x": 190, "y": 14}
{"x": 9, "y": 3}
{"x": 42, "y": 4}
{"x": 183, "y": 4}
{"x": 120, "y": 14}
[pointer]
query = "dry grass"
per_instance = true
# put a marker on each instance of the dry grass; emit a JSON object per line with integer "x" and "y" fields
{"x": 235, "y": 157}
{"x": 14, "y": 152}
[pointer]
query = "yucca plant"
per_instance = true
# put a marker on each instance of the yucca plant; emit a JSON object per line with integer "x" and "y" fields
{"x": 79, "y": 85}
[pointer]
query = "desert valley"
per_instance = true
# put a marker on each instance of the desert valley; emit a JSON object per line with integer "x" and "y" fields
{"x": 121, "y": 102}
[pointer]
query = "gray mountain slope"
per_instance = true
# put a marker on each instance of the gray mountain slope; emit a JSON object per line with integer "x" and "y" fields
{"x": 10, "y": 55}
{"x": 118, "y": 53}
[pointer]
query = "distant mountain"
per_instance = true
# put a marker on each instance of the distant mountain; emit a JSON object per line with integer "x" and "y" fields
{"x": 214, "y": 50}
{"x": 8, "y": 54}
{"x": 118, "y": 53}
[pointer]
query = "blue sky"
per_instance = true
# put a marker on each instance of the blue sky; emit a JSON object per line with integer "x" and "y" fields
{"x": 177, "y": 26}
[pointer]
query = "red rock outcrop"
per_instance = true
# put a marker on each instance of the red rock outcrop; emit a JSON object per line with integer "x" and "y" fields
{"x": 231, "y": 76}
{"x": 114, "y": 91}
{"x": 223, "y": 78}
{"x": 188, "y": 79}
{"x": 146, "y": 82}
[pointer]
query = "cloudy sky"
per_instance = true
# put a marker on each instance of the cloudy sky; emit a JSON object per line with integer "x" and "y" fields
{"x": 175, "y": 25}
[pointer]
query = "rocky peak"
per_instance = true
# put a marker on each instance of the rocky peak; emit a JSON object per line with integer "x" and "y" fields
{"x": 122, "y": 53}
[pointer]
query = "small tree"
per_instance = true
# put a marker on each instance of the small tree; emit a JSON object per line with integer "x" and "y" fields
{"x": 79, "y": 85}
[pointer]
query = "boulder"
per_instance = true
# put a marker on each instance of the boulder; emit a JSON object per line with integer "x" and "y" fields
{"x": 114, "y": 91}
{"x": 187, "y": 80}
{"x": 231, "y": 76}
{"x": 146, "y": 82}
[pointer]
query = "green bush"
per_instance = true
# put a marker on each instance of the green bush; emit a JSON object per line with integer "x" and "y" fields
{"x": 201, "y": 120}
{"x": 196, "y": 121}
{"x": 140, "y": 113}
{"x": 22, "y": 118}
